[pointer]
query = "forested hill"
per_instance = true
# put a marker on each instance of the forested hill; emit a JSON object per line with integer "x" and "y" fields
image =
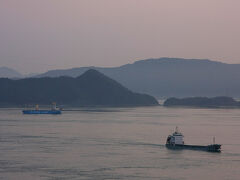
{"x": 90, "y": 89}
{"x": 202, "y": 102}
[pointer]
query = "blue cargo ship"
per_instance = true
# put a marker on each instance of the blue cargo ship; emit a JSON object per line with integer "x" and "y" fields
{"x": 175, "y": 141}
{"x": 54, "y": 110}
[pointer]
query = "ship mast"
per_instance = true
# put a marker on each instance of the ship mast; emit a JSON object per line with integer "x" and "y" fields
{"x": 176, "y": 129}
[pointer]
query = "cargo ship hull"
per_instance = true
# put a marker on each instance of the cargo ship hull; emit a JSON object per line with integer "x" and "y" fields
{"x": 209, "y": 148}
{"x": 41, "y": 112}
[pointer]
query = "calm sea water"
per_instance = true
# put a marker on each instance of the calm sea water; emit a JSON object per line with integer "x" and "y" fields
{"x": 118, "y": 143}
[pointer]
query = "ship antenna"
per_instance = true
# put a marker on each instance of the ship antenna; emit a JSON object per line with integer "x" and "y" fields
{"x": 213, "y": 139}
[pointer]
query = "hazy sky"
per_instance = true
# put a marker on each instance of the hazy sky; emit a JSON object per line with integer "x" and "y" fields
{"x": 38, "y": 35}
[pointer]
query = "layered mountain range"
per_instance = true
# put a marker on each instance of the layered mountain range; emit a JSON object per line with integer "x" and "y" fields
{"x": 171, "y": 77}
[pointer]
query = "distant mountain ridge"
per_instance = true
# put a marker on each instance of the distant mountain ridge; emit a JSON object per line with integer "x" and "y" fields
{"x": 90, "y": 89}
{"x": 202, "y": 102}
{"x": 171, "y": 77}
{"x": 6, "y": 72}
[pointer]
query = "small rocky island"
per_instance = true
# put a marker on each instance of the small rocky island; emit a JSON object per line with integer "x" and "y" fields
{"x": 90, "y": 89}
{"x": 221, "y": 101}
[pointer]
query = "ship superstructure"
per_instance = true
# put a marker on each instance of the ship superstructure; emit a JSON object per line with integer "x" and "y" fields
{"x": 175, "y": 138}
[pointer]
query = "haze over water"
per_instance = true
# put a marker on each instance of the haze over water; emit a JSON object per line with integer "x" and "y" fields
{"x": 118, "y": 143}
